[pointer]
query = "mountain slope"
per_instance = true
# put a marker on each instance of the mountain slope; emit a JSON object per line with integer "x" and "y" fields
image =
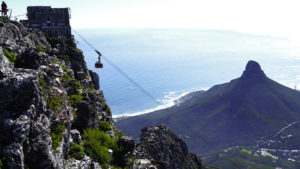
{"x": 237, "y": 112}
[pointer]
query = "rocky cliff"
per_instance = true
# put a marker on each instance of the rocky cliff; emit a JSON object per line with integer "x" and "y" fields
{"x": 53, "y": 115}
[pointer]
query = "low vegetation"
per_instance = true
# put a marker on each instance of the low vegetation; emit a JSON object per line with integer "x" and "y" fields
{"x": 40, "y": 49}
{"x": 67, "y": 77}
{"x": 65, "y": 69}
{"x": 57, "y": 136}
{"x": 76, "y": 151}
{"x": 107, "y": 108}
{"x": 104, "y": 126}
{"x": 54, "y": 102}
{"x": 4, "y": 18}
{"x": 74, "y": 99}
{"x": 76, "y": 84}
{"x": 10, "y": 56}
{"x": 97, "y": 144}
{"x": 63, "y": 57}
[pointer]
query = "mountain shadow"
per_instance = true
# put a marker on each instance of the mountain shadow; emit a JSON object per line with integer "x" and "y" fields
{"x": 234, "y": 113}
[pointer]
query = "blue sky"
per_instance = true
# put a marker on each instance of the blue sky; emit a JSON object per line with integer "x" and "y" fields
{"x": 271, "y": 17}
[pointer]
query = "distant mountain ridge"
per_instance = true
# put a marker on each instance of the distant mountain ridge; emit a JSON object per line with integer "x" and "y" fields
{"x": 237, "y": 112}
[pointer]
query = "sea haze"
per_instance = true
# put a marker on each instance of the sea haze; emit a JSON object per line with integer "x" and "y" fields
{"x": 168, "y": 63}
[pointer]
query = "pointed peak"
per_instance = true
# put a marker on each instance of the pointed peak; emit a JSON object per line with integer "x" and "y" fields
{"x": 253, "y": 71}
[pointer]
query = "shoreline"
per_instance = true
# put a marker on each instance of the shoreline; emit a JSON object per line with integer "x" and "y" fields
{"x": 169, "y": 103}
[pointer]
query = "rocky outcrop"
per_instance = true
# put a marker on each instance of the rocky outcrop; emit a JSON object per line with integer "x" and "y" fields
{"x": 253, "y": 73}
{"x": 160, "y": 148}
{"x": 39, "y": 75}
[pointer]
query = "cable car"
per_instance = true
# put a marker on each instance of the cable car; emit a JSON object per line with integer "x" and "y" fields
{"x": 98, "y": 64}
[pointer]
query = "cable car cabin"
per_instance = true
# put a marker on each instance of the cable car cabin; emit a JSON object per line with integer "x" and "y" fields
{"x": 98, "y": 65}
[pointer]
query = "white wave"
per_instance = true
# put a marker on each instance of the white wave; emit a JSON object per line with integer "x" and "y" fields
{"x": 169, "y": 100}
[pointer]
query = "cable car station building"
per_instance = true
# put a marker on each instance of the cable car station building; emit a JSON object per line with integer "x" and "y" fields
{"x": 55, "y": 21}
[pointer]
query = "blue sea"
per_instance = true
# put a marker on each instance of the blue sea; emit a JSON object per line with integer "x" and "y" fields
{"x": 169, "y": 63}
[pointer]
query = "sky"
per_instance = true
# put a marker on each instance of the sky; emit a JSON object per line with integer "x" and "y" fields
{"x": 269, "y": 17}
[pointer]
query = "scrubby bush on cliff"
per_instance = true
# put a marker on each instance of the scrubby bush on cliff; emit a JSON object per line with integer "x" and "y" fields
{"x": 74, "y": 99}
{"x": 97, "y": 144}
{"x": 10, "y": 56}
{"x": 104, "y": 126}
{"x": 63, "y": 57}
{"x": 55, "y": 102}
{"x": 107, "y": 108}
{"x": 40, "y": 49}
{"x": 76, "y": 151}
{"x": 57, "y": 136}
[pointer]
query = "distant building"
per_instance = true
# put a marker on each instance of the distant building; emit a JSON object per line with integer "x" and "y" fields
{"x": 55, "y": 21}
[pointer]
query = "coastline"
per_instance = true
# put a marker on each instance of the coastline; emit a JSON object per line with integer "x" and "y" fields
{"x": 167, "y": 103}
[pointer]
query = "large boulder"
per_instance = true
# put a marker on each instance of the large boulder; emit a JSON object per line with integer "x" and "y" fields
{"x": 165, "y": 149}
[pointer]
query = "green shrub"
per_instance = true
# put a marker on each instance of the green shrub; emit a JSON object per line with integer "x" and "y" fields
{"x": 67, "y": 77}
{"x": 76, "y": 151}
{"x": 107, "y": 109}
{"x": 97, "y": 143}
{"x": 76, "y": 84}
{"x": 40, "y": 49}
{"x": 4, "y": 18}
{"x": 54, "y": 102}
{"x": 65, "y": 69}
{"x": 53, "y": 62}
{"x": 42, "y": 82}
{"x": 44, "y": 87}
{"x": 63, "y": 57}
{"x": 104, "y": 126}
{"x": 57, "y": 136}
{"x": 10, "y": 56}
{"x": 74, "y": 99}
{"x": 120, "y": 133}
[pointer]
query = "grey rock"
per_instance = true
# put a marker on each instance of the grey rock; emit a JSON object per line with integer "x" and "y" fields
{"x": 165, "y": 149}
{"x": 81, "y": 75}
{"x": 96, "y": 166}
{"x": 14, "y": 156}
{"x": 85, "y": 163}
{"x": 75, "y": 135}
{"x": 95, "y": 79}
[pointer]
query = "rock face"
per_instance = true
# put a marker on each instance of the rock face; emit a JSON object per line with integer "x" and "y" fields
{"x": 165, "y": 150}
{"x": 253, "y": 72}
{"x": 39, "y": 75}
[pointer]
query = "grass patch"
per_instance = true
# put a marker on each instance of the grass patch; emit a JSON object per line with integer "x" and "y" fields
{"x": 63, "y": 57}
{"x": 4, "y": 18}
{"x": 43, "y": 86}
{"x": 40, "y": 49}
{"x": 76, "y": 151}
{"x": 104, "y": 126}
{"x": 74, "y": 99}
{"x": 107, "y": 108}
{"x": 76, "y": 84}
{"x": 120, "y": 133}
{"x": 67, "y": 77}
{"x": 57, "y": 136}
{"x": 65, "y": 69}
{"x": 54, "y": 62}
{"x": 246, "y": 151}
{"x": 10, "y": 56}
{"x": 42, "y": 82}
{"x": 97, "y": 143}
{"x": 54, "y": 102}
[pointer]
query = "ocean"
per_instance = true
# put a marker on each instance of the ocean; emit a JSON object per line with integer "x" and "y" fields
{"x": 170, "y": 63}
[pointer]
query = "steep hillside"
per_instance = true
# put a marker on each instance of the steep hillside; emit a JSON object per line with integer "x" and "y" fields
{"x": 53, "y": 115}
{"x": 234, "y": 113}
